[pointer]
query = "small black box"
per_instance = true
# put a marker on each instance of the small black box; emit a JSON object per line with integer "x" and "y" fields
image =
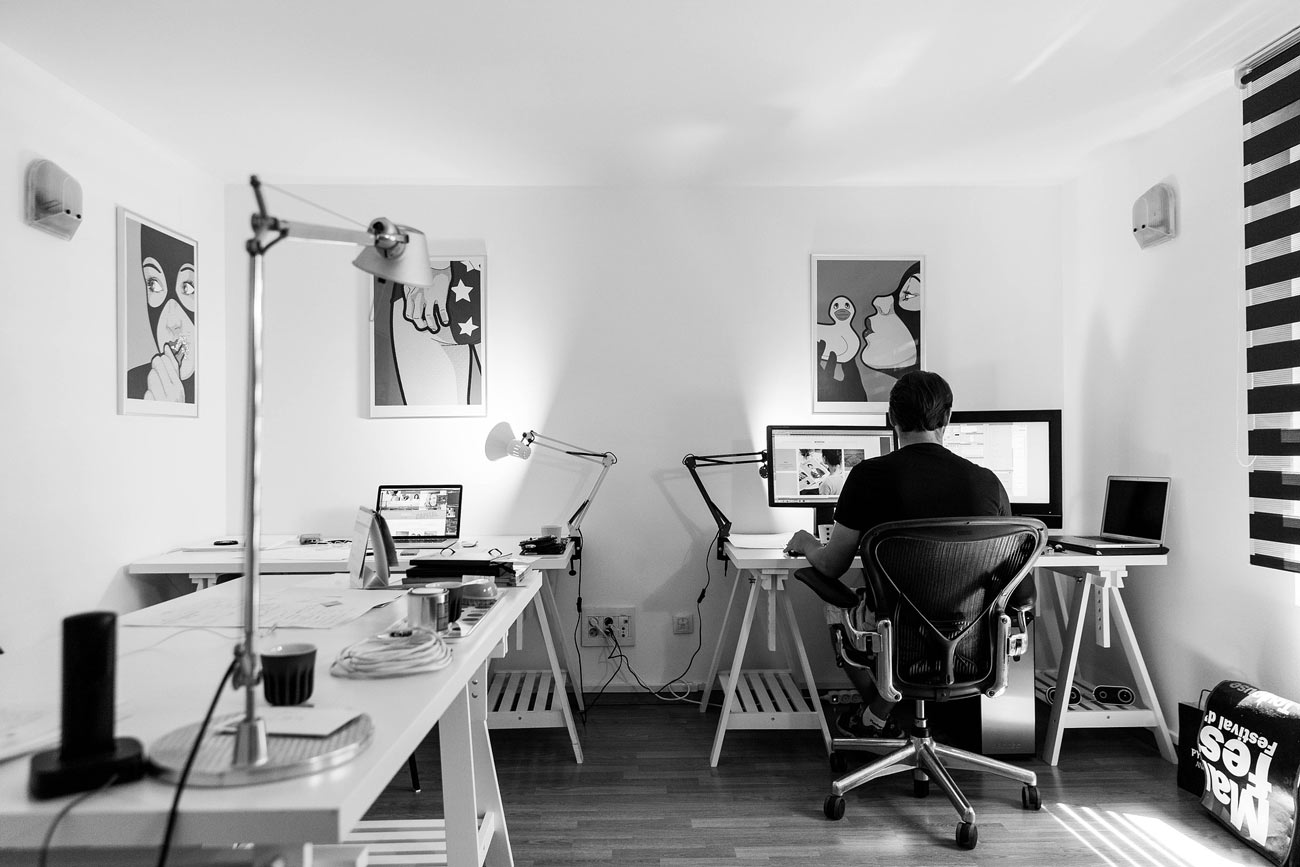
{"x": 1190, "y": 775}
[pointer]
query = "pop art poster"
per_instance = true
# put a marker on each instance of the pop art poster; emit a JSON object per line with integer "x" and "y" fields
{"x": 866, "y": 315}
{"x": 157, "y": 319}
{"x": 427, "y": 344}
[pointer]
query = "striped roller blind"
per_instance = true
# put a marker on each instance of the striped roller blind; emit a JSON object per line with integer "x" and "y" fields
{"x": 1271, "y": 153}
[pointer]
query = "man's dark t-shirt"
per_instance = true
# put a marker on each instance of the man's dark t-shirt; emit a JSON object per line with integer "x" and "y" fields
{"x": 923, "y": 480}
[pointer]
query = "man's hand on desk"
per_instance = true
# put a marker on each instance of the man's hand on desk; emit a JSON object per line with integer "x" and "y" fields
{"x": 801, "y": 543}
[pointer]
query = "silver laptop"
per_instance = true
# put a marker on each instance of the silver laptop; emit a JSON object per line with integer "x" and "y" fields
{"x": 421, "y": 516}
{"x": 1132, "y": 519}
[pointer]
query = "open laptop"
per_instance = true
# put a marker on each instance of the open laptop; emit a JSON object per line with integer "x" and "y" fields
{"x": 1132, "y": 519}
{"x": 421, "y": 516}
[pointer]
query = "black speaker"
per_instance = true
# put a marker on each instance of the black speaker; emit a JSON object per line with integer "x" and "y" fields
{"x": 89, "y": 755}
{"x": 1113, "y": 694}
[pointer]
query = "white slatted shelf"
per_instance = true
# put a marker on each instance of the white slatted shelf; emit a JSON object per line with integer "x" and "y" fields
{"x": 525, "y": 699}
{"x": 770, "y": 699}
{"x": 1090, "y": 713}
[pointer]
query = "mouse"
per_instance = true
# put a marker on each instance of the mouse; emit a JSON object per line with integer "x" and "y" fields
{"x": 468, "y": 543}
{"x": 1058, "y": 548}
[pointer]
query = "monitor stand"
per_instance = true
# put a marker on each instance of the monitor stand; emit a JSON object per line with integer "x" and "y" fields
{"x": 823, "y": 521}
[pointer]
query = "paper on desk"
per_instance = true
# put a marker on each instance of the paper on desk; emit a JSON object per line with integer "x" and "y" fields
{"x": 307, "y": 720}
{"x": 27, "y": 728}
{"x": 759, "y": 540}
{"x": 292, "y": 607}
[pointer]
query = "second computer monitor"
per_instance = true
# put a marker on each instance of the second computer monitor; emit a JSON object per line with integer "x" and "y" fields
{"x": 1023, "y": 448}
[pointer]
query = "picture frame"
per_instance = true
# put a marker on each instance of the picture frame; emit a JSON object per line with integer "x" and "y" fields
{"x": 157, "y": 319}
{"x": 867, "y": 329}
{"x": 427, "y": 346}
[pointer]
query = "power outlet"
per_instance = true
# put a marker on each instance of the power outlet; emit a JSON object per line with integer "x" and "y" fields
{"x": 683, "y": 624}
{"x": 621, "y": 623}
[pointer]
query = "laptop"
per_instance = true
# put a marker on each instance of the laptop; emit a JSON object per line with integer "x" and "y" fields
{"x": 1132, "y": 519}
{"x": 420, "y": 516}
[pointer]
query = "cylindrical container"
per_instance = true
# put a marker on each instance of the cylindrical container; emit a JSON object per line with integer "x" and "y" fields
{"x": 426, "y": 608}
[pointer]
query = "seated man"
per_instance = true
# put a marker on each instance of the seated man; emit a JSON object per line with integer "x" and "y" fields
{"x": 921, "y": 479}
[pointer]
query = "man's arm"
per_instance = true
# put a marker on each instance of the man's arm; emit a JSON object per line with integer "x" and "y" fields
{"x": 832, "y": 559}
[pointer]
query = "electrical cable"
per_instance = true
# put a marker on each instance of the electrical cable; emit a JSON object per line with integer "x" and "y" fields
{"x": 174, "y": 812}
{"x": 395, "y": 653}
{"x": 577, "y": 647}
{"x": 63, "y": 811}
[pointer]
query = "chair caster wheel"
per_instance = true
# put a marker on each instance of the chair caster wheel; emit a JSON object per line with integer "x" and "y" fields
{"x": 967, "y": 835}
{"x": 839, "y": 762}
{"x": 920, "y": 788}
{"x": 833, "y": 807}
{"x": 1029, "y": 798}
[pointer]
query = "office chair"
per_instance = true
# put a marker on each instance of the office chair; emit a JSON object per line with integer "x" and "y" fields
{"x": 947, "y": 625}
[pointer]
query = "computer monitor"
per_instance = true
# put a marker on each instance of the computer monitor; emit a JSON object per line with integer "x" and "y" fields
{"x": 808, "y": 463}
{"x": 1023, "y": 448}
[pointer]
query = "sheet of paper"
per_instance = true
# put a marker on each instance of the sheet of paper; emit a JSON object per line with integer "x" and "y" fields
{"x": 759, "y": 540}
{"x": 295, "y": 607}
{"x": 303, "y": 719}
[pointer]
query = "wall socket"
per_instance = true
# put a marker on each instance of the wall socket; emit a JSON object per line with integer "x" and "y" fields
{"x": 596, "y": 620}
{"x": 683, "y": 624}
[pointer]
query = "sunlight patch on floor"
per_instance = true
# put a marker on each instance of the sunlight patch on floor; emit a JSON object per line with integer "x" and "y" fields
{"x": 1132, "y": 840}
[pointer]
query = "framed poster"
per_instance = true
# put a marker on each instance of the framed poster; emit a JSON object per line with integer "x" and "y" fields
{"x": 866, "y": 329}
{"x": 426, "y": 345}
{"x": 157, "y": 319}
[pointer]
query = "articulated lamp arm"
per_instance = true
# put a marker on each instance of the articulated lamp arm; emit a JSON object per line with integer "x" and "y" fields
{"x": 692, "y": 462}
{"x": 605, "y": 459}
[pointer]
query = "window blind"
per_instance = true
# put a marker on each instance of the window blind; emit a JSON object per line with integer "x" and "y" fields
{"x": 1271, "y": 156}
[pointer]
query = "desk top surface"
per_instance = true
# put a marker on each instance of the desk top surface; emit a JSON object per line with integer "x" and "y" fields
{"x": 165, "y": 680}
{"x": 777, "y": 560}
{"x": 281, "y": 553}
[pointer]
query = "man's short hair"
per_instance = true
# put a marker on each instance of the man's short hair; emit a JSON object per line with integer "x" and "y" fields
{"x": 920, "y": 401}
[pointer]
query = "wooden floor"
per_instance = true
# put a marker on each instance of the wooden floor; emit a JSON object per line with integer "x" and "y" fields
{"x": 647, "y": 796}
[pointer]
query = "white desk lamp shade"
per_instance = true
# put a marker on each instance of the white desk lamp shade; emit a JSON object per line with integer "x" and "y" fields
{"x": 501, "y": 442}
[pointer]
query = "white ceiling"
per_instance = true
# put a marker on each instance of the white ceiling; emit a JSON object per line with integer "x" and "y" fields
{"x": 665, "y": 92}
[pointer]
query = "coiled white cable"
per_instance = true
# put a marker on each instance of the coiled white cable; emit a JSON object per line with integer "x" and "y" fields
{"x": 395, "y": 653}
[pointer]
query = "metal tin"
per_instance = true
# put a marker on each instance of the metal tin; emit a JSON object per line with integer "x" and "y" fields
{"x": 426, "y": 608}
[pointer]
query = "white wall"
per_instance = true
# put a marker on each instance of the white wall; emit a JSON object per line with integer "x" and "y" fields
{"x": 649, "y": 322}
{"x": 1154, "y": 355}
{"x": 86, "y": 490}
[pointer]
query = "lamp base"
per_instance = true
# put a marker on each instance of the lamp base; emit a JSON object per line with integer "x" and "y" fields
{"x": 52, "y": 775}
{"x": 286, "y": 755}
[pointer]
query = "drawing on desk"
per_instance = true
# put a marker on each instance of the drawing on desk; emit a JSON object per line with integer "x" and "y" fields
{"x": 296, "y": 608}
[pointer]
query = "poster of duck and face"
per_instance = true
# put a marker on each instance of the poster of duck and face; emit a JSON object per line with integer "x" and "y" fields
{"x": 427, "y": 344}
{"x": 867, "y": 329}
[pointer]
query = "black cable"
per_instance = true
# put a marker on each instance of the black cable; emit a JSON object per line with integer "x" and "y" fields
{"x": 63, "y": 811}
{"x": 189, "y": 763}
{"x": 577, "y": 647}
{"x": 613, "y": 675}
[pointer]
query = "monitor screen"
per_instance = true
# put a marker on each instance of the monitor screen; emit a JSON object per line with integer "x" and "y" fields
{"x": 420, "y": 512}
{"x": 810, "y": 462}
{"x": 1023, "y": 448}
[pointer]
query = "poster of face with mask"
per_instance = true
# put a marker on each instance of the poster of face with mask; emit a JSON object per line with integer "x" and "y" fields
{"x": 157, "y": 313}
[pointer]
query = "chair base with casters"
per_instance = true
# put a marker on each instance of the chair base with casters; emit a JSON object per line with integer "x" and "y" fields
{"x": 927, "y": 760}
{"x": 919, "y": 655}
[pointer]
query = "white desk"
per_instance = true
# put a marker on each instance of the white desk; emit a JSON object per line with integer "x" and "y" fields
{"x": 771, "y": 699}
{"x": 1110, "y": 619}
{"x": 165, "y": 679}
{"x": 764, "y": 699}
{"x": 518, "y": 699}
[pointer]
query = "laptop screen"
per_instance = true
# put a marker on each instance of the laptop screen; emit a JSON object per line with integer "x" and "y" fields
{"x": 1135, "y": 508}
{"x": 420, "y": 513}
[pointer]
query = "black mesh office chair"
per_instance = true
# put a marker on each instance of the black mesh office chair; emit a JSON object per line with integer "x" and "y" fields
{"x": 949, "y": 619}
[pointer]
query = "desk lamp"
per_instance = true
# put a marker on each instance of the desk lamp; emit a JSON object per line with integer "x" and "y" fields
{"x": 396, "y": 253}
{"x": 692, "y": 462}
{"x": 501, "y": 442}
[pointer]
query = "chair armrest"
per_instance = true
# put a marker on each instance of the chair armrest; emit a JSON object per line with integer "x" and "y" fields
{"x": 875, "y": 642}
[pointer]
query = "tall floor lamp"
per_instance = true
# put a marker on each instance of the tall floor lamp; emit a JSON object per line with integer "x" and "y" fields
{"x": 396, "y": 253}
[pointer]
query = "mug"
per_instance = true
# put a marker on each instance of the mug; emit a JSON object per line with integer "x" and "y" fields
{"x": 288, "y": 673}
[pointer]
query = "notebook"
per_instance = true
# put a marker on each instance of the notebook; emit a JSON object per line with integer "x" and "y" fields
{"x": 420, "y": 515}
{"x": 1132, "y": 519}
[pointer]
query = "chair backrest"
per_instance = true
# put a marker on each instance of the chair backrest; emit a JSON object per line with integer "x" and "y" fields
{"x": 944, "y": 585}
